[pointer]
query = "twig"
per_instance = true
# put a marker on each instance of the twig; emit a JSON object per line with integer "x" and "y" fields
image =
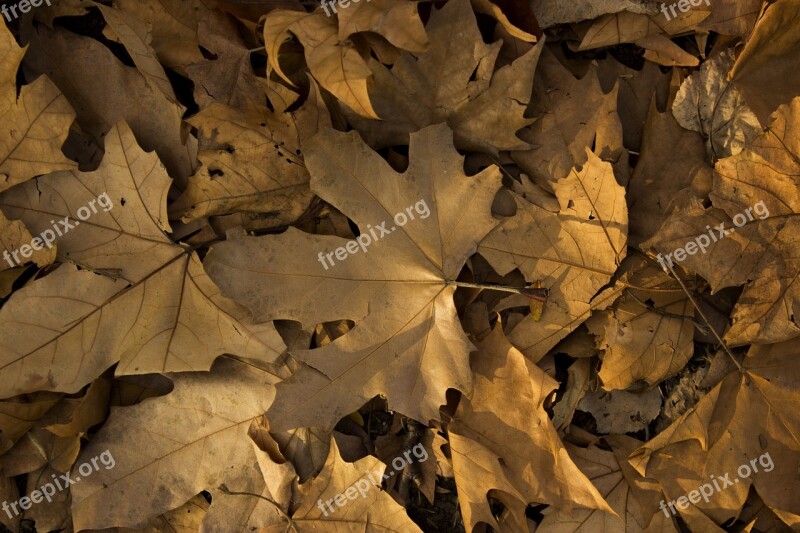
{"x": 708, "y": 323}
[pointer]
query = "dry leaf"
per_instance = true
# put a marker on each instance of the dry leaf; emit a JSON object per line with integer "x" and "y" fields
{"x": 334, "y": 63}
{"x": 573, "y": 251}
{"x": 634, "y": 498}
{"x": 647, "y": 335}
{"x": 749, "y": 414}
{"x": 769, "y": 60}
{"x": 191, "y": 440}
{"x": 36, "y": 122}
{"x": 708, "y": 104}
{"x": 502, "y": 440}
{"x": 407, "y": 342}
{"x": 453, "y": 83}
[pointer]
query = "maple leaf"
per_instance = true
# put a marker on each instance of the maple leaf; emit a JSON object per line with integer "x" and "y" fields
{"x": 164, "y": 315}
{"x": 35, "y": 125}
{"x": 367, "y": 507}
{"x": 436, "y": 85}
{"x": 752, "y": 411}
{"x": 105, "y": 91}
{"x": 634, "y": 498}
{"x": 259, "y": 170}
{"x": 193, "y": 439}
{"x": 502, "y": 439}
{"x": 761, "y": 254}
{"x": 647, "y": 335}
{"x": 337, "y": 66}
{"x": 407, "y": 342}
{"x": 572, "y": 244}
{"x": 570, "y": 114}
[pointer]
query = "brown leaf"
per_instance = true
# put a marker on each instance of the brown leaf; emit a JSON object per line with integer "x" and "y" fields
{"x": 407, "y": 342}
{"x": 769, "y": 59}
{"x": 502, "y": 440}
{"x": 573, "y": 251}
{"x": 634, "y": 498}
{"x": 191, "y": 440}
{"x": 35, "y": 124}
{"x": 749, "y": 414}
{"x": 335, "y": 64}
{"x": 453, "y": 83}
{"x": 259, "y": 168}
{"x": 648, "y": 334}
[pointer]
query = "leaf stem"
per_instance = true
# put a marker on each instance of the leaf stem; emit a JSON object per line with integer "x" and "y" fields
{"x": 486, "y": 286}
{"x": 708, "y": 323}
{"x": 224, "y": 488}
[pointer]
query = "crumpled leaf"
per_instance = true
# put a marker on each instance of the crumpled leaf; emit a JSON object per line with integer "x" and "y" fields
{"x": 708, "y": 104}
{"x": 748, "y": 414}
{"x": 761, "y": 254}
{"x": 35, "y": 124}
{"x": 407, "y": 342}
{"x": 437, "y": 86}
{"x": 503, "y": 441}
{"x": 572, "y": 244}
{"x": 647, "y": 336}
{"x": 335, "y": 64}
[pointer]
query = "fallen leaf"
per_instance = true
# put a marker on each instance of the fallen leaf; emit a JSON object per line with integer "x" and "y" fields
{"x": 36, "y": 123}
{"x": 399, "y": 295}
{"x": 191, "y": 440}
{"x": 335, "y": 64}
{"x": 769, "y": 60}
{"x": 634, "y": 498}
{"x": 502, "y": 440}
{"x": 452, "y": 83}
{"x": 708, "y": 104}
{"x": 574, "y": 251}
{"x": 750, "y": 413}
